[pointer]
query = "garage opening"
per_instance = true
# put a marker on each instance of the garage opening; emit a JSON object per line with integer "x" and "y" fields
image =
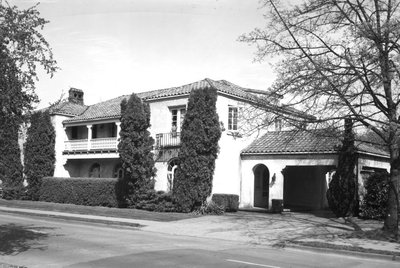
{"x": 261, "y": 186}
{"x": 305, "y": 187}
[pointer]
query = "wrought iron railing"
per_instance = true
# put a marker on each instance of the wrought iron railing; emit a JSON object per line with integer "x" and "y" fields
{"x": 168, "y": 140}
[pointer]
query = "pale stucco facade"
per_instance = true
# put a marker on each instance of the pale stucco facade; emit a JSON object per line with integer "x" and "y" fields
{"x": 86, "y": 146}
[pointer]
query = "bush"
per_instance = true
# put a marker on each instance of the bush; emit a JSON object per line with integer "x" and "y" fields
{"x": 208, "y": 208}
{"x": 135, "y": 148}
{"x": 13, "y": 192}
{"x": 10, "y": 157}
{"x": 39, "y": 152}
{"x": 230, "y": 202}
{"x": 374, "y": 204}
{"x": 199, "y": 149}
{"x": 80, "y": 191}
{"x": 155, "y": 201}
{"x": 341, "y": 194}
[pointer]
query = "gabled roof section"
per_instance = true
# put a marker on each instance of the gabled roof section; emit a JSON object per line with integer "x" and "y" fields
{"x": 68, "y": 109}
{"x": 303, "y": 142}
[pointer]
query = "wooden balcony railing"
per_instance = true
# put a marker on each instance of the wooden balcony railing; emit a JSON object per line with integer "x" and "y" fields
{"x": 168, "y": 140}
{"x": 94, "y": 144}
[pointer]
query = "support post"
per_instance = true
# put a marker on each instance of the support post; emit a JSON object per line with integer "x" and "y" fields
{"x": 89, "y": 127}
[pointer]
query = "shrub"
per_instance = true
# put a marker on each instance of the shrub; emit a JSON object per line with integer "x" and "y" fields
{"x": 10, "y": 158}
{"x": 135, "y": 148}
{"x": 208, "y": 208}
{"x": 80, "y": 191}
{"x": 374, "y": 204}
{"x": 156, "y": 201}
{"x": 199, "y": 150}
{"x": 341, "y": 194}
{"x": 230, "y": 202}
{"x": 39, "y": 152}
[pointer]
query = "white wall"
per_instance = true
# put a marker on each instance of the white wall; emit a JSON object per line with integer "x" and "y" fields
{"x": 275, "y": 165}
{"x": 59, "y": 170}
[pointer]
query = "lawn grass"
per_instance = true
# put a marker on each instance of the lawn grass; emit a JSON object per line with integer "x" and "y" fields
{"x": 98, "y": 211}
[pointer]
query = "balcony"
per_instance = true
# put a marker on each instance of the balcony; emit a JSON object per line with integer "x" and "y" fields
{"x": 168, "y": 140}
{"x": 100, "y": 144}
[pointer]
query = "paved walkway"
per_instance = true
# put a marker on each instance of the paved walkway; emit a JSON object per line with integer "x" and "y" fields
{"x": 278, "y": 230}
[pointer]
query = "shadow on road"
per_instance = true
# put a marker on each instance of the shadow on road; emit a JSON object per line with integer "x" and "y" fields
{"x": 16, "y": 238}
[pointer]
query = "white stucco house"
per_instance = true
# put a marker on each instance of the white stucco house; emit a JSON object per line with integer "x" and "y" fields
{"x": 270, "y": 163}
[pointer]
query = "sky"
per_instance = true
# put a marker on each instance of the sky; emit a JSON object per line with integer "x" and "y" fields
{"x": 110, "y": 48}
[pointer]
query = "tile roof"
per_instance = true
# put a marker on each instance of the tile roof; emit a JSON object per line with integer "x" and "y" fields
{"x": 102, "y": 110}
{"x": 112, "y": 109}
{"x": 303, "y": 142}
{"x": 68, "y": 108}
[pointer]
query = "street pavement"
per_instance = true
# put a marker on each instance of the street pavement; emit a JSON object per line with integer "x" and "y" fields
{"x": 37, "y": 241}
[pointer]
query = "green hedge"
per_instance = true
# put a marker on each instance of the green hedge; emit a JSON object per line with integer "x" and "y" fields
{"x": 80, "y": 191}
{"x": 230, "y": 202}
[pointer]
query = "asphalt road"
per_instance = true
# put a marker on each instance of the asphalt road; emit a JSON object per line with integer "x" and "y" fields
{"x": 47, "y": 242}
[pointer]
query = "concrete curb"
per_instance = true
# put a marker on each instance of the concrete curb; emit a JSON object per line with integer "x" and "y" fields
{"x": 76, "y": 217}
{"x": 393, "y": 256}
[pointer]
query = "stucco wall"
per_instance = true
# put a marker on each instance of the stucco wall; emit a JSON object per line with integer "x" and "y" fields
{"x": 59, "y": 170}
{"x": 275, "y": 165}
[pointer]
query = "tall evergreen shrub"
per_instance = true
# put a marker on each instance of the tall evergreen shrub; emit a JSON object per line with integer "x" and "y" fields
{"x": 199, "y": 150}
{"x": 135, "y": 150}
{"x": 39, "y": 157}
{"x": 374, "y": 205}
{"x": 341, "y": 193}
{"x": 10, "y": 158}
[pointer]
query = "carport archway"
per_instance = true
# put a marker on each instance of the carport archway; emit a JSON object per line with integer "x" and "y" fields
{"x": 261, "y": 186}
{"x": 305, "y": 187}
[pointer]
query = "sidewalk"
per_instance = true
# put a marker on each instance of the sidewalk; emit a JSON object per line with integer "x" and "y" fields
{"x": 298, "y": 230}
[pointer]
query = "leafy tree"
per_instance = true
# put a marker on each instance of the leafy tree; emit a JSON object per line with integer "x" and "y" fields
{"x": 199, "y": 150}
{"x": 39, "y": 154}
{"x": 135, "y": 149}
{"x": 22, "y": 49}
{"x": 341, "y": 193}
{"x": 10, "y": 159}
{"x": 338, "y": 59}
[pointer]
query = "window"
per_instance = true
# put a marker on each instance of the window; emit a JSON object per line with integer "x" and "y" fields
{"x": 178, "y": 115}
{"x": 74, "y": 133}
{"x": 233, "y": 118}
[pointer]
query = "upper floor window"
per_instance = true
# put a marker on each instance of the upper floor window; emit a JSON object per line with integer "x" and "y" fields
{"x": 178, "y": 115}
{"x": 233, "y": 118}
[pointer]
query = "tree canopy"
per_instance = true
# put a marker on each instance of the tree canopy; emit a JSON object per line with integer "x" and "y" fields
{"x": 338, "y": 59}
{"x": 22, "y": 49}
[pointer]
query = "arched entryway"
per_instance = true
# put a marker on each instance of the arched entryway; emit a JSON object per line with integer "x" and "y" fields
{"x": 172, "y": 166}
{"x": 261, "y": 186}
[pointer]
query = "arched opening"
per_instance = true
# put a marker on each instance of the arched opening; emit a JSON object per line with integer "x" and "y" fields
{"x": 261, "y": 186}
{"x": 118, "y": 172}
{"x": 172, "y": 166}
{"x": 94, "y": 171}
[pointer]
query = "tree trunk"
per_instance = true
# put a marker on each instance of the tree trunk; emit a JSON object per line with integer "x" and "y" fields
{"x": 391, "y": 224}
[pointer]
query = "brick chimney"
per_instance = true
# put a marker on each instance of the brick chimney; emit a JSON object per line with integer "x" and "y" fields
{"x": 76, "y": 96}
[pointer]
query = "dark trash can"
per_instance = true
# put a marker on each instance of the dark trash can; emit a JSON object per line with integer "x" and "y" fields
{"x": 277, "y": 206}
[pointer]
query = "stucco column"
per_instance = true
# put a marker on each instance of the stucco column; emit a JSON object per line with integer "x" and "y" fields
{"x": 89, "y": 127}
